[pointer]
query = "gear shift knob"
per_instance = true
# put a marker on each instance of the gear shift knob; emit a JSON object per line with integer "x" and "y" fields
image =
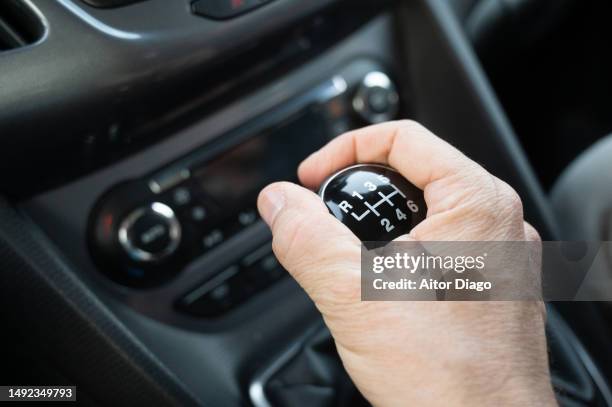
{"x": 374, "y": 201}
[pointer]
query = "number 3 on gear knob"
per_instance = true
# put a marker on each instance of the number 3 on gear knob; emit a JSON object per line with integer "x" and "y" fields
{"x": 374, "y": 201}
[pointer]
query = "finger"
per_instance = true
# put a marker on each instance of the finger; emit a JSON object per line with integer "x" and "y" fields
{"x": 531, "y": 234}
{"x": 410, "y": 148}
{"x": 309, "y": 242}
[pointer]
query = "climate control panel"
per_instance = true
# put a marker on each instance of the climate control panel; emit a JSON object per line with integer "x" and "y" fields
{"x": 140, "y": 238}
{"x": 146, "y": 231}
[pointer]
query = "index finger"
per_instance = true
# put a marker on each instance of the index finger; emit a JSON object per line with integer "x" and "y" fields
{"x": 405, "y": 145}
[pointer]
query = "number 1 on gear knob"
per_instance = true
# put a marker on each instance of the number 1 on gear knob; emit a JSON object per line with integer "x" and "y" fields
{"x": 374, "y": 201}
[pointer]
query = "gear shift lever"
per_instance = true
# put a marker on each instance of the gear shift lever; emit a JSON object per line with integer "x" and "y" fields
{"x": 374, "y": 201}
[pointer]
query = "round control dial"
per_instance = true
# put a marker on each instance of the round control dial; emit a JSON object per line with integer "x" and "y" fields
{"x": 376, "y": 99}
{"x": 150, "y": 233}
{"x": 374, "y": 201}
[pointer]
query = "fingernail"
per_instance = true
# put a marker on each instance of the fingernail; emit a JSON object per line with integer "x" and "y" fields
{"x": 271, "y": 203}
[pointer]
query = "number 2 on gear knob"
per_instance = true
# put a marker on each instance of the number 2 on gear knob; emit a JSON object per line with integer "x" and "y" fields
{"x": 374, "y": 201}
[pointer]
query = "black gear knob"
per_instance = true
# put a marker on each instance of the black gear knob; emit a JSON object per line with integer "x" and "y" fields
{"x": 374, "y": 201}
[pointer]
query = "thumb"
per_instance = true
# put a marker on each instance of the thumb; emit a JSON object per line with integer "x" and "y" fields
{"x": 321, "y": 253}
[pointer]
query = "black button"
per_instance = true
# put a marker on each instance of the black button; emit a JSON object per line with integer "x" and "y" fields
{"x": 212, "y": 304}
{"x": 230, "y": 227}
{"x": 219, "y": 234}
{"x": 216, "y": 296}
{"x": 263, "y": 270}
{"x": 194, "y": 205}
{"x": 223, "y": 9}
{"x": 247, "y": 217}
{"x": 181, "y": 196}
{"x": 198, "y": 213}
{"x": 213, "y": 238}
{"x": 234, "y": 285}
{"x": 374, "y": 201}
{"x": 150, "y": 233}
{"x": 270, "y": 268}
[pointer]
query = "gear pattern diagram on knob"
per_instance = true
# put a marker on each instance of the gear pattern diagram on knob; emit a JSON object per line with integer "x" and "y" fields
{"x": 374, "y": 201}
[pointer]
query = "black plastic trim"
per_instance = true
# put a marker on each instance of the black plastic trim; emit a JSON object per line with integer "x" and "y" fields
{"x": 48, "y": 302}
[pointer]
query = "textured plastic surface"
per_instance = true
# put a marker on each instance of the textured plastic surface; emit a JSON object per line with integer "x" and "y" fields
{"x": 46, "y": 302}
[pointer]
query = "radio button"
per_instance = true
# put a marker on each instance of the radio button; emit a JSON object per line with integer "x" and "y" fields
{"x": 215, "y": 296}
{"x": 198, "y": 213}
{"x": 150, "y": 233}
{"x": 181, "y": 196}
{"x": 247, "y": 217}
{"x": 229, "y": 228}
{"x": 269, "y": 269}
{"x": 213, "y": 238}
{"x": 233, "y": 286}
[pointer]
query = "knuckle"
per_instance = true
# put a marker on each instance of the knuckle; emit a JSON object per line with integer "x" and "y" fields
{"x": 493, "y": 207}
{"x": 407, "y": 123}
{"x": 410, "y": 126}
{"x": 531, "y": 234}
{"x": 500, "y": 197}
{"x": 509, "y": 198}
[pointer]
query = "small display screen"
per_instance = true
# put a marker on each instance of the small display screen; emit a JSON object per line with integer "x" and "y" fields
{"x": 234, "y": 179}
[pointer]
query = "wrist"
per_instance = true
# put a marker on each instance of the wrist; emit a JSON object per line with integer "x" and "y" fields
{"x": 452, "y": 377}
{"x": 510, "y": 393}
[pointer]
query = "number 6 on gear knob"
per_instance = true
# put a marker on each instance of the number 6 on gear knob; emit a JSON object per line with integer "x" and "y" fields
{"x": 374, "y": 201}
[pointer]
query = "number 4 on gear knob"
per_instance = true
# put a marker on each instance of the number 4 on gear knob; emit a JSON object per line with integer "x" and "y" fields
{"x": 374, "y": 201}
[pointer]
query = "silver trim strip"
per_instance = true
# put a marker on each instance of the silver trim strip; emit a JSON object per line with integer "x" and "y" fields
{"x": 167, "y": 180}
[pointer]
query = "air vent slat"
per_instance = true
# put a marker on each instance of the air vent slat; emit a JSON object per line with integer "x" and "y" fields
{"x": 9, "y": 38}
{"x": 19, "y": 25}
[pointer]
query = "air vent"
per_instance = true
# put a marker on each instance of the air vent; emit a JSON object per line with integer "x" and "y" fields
{"x": 19, "y": 25}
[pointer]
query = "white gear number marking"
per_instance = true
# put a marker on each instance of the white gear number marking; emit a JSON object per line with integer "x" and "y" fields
{"x": 412, "y": 206}
{"x": 386, "y": 223}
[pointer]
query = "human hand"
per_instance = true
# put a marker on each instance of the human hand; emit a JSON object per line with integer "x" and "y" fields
{"x": 414, "y": 353}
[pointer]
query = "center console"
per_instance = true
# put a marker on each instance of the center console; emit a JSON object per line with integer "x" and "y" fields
{"x": 153, "y": 244}
{"x": 181, "y": 231}
{"x": 170, "y": 238}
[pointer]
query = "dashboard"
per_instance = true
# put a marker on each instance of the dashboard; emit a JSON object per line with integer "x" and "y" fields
{"x": 134, "y": 138}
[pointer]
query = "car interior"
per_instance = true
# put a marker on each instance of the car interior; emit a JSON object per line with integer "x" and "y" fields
{"x": 163, "y": 119}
